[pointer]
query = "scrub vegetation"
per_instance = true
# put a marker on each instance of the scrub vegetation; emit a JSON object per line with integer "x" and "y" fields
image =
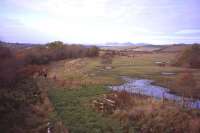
{"x": 24, "y": 102}
{"x": 189, "y": 57}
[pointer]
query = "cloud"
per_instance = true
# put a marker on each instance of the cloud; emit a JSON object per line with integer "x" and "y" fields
{"x": 10, "y": 22}
{"x": 188, "y": 32}
{"x": 63, "y": 7}
{"x": 15, "y": 31}
{"x": 103, "y": 20}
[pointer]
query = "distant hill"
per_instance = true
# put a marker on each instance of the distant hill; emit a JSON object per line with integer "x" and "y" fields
{"x": 29, "y": 45}
{"x": 17, "y": 45}
{"x": 142, "y": 47}
{"x": 148, "y": 48}
{"x": 174, "y": 48}
{"x": 121, "y": 46}
{"x": 117, "y": 44}
{"x": 138, "y": 47}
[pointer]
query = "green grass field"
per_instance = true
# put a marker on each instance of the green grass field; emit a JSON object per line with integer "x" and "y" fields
{"x": 73, "y": 108}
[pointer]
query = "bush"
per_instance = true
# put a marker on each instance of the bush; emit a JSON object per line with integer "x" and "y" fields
{"x": 187, "y": 83}
{"x": 189, "y": 57}
{"x": 106, "y": 59}
{"x": 8, "y": 67}
{"x": 55, "y": 44}
{"x": 16, "y": 107}
{"x": 38, "y": 59}
{"x": 194, "y": 59}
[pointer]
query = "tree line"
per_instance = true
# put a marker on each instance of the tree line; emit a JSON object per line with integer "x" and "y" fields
{"x": 55, "y": 51}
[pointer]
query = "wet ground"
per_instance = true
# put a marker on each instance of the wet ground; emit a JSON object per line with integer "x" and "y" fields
{"x": 145, "y": 87}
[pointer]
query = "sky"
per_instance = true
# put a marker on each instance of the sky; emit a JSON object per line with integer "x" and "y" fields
{"x": 100, "y": 21}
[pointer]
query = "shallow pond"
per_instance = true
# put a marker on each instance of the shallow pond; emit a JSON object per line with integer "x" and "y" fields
{"x": 145, "y": 87}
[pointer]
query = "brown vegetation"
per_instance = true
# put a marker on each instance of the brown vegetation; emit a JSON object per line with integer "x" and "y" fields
{"x": 189, "y": 57}
{"x": 106, "y": 58}
{"x": 186, "y": 82}
{"x": 55, "y": 51}
{"x": 147, "y": 115}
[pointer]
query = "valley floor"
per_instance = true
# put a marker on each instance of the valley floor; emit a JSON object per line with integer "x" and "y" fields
{"x": 80, "y": 81}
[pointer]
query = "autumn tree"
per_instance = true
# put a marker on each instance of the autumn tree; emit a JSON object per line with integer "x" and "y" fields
{"x": 93, "y": 51}
{"x": 55, "y": 44}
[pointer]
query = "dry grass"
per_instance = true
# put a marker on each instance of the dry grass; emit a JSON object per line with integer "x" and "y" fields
{"x": 79, "y": 73}
{"x": 146, "y": 115}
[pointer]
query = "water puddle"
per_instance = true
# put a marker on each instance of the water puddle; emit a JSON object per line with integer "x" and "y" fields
{"x": 168, "y": 73}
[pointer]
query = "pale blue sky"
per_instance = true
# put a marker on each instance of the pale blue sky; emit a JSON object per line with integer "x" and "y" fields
{"x": 99, "y": 21}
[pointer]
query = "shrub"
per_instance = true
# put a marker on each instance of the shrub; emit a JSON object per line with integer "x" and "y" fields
{"x": 8, "y": 67}
{"x": 189, "y": 57}
{"x": 55, "y": 44}
{"x": 106, "y": 59}
{"x": 16, "y": 107}
{"x": 187, "y": 82}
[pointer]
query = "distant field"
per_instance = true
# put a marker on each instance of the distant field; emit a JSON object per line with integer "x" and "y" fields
{"x": 174, "y": 48}
{"x": 90, "y": 71}
{"x": 149, "y": 48}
